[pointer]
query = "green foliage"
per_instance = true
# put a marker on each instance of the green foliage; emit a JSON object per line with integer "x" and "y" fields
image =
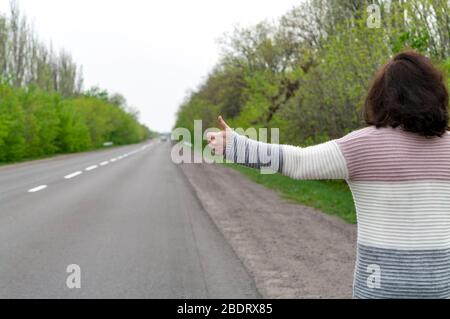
{"x": 12, "y": 121}
{"x": 414, "y": 39}
{"x": 308, "y": 73}
{"x": 446, "y": 68}
{"x": 42, "y": 122}
{"x": 34, "y": 123}
{"x": 74, "y": 135}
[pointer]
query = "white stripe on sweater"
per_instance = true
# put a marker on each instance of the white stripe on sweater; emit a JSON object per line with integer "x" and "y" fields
{"x": 403, "y": 215}
{"x": 323, "y": 161}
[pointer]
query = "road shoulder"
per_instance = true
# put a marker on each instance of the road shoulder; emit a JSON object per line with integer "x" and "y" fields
{"x": 291, "y": 250}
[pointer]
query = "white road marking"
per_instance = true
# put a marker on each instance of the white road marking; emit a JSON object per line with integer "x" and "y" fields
{"x": 73, "y": 175}
{"x": 37, "y": 189}
{"x": 90, "y": 168}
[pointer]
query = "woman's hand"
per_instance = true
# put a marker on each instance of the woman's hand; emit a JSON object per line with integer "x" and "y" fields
{"x": 218, "y": 140}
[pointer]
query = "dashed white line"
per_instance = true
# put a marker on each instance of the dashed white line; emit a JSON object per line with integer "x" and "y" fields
{"x": 90, "y": 168}
{"x": 37, "y": 189}
{"x": 73, "y": 175}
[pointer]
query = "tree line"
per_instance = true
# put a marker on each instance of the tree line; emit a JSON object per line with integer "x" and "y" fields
{"x": 43, "y": 108}
{"x": 307, "y": 72}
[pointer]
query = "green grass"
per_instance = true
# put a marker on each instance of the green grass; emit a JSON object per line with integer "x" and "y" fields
{"x": 331, "y": 197}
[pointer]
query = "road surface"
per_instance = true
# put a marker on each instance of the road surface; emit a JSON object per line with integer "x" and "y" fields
{"x": 126, "y": 216}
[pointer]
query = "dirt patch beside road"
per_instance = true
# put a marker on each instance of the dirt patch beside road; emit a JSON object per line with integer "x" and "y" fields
{"x": 292, "y": 251}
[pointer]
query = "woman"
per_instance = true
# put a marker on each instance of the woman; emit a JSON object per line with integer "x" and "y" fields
{"x": 398, "y": 169}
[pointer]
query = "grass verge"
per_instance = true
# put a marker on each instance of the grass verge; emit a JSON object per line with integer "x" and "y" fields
{"x": 331, "y": 197}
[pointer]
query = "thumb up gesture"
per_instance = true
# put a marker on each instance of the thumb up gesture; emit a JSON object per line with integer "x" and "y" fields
{"x": 218, "y": 140}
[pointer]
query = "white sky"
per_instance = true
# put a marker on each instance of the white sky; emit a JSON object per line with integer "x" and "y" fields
{"x": 151, "y": 51}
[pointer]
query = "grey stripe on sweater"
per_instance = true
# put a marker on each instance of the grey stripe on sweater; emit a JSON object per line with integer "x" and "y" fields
{"x": 247, "y": 152}
{"x": 402, "y": 273}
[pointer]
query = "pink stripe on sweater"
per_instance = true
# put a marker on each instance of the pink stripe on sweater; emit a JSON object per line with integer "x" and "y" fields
{"x": 388, "y": 154}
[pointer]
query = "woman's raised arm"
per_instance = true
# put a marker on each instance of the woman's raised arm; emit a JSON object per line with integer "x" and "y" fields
{"x": 322, "y": 161}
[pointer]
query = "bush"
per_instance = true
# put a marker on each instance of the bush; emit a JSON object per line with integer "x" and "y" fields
{"x": 34, "y": 123}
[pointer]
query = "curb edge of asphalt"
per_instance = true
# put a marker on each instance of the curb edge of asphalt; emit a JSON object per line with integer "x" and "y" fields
{"x": 197, "y": 197}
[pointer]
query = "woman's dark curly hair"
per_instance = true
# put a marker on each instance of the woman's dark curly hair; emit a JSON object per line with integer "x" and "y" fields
{"x": 409, "y": 91}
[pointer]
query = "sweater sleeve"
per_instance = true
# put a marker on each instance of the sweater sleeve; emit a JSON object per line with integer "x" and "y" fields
{"x": 322, "y": 161}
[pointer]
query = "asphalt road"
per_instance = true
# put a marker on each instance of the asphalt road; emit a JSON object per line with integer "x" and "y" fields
{"x": 134, "y": 227}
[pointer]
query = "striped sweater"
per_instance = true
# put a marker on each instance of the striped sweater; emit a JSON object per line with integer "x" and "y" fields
{"x": 400, "y": 183}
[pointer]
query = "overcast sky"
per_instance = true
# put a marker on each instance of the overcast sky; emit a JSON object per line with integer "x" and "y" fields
{"x": 151, "y": 51}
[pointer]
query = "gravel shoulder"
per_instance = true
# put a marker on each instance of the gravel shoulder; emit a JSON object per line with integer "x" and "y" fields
{"x": 291, "y": 250}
